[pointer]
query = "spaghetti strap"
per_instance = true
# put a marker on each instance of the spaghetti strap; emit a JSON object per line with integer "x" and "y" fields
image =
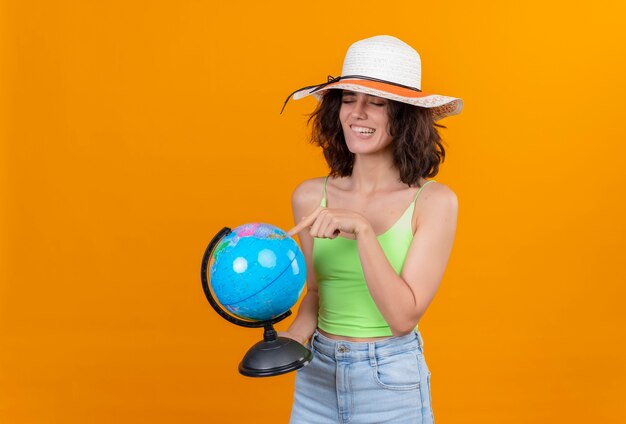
{"x": 323, "y": 202}
{"x": 420, "y": 190}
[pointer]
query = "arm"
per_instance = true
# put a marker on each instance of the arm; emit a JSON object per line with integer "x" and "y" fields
{"x": 403, "y": 299}
{"x": 304, "y": 200}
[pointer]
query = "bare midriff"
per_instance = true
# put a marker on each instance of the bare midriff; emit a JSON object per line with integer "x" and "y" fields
{"x": 351, "y": 339}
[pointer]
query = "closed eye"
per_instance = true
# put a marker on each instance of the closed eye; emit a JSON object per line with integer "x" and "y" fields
{"x": 350, "y": 97}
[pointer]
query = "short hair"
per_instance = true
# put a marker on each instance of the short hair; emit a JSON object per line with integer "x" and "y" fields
{"x": 417, "y": 147}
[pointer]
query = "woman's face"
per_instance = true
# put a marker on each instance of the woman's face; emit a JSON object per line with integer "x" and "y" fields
{"x": 365, "y": 122}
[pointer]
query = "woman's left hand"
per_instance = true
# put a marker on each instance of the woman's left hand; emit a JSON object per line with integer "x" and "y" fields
{"x": 328, "y": 223}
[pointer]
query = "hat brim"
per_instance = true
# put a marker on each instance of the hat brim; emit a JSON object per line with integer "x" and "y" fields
{"x": 442, "y": 105}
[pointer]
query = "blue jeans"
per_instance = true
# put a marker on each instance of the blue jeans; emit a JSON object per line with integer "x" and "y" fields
{"x": 386, "y": 381}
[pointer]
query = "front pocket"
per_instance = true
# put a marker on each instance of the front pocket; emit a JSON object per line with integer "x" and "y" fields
{"x": 398, "y": 372}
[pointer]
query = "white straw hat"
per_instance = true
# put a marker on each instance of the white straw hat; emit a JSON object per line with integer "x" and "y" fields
{"x": 387, "y": 67}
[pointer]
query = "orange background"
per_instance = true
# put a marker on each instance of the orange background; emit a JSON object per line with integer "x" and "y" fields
{"x": 133, "y": 131}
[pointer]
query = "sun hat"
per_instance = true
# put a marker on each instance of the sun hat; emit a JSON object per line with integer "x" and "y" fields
{"x": 387, "y": 67}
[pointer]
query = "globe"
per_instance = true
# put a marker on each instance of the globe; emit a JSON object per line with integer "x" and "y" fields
{"x": 257, "y": 272}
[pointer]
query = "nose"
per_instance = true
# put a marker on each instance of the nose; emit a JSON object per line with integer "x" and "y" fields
{"x": 358, "y": 110}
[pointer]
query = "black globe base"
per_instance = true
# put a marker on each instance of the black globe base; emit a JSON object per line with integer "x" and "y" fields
{"x": 274, "y": 356}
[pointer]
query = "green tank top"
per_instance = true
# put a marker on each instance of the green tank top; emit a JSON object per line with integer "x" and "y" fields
{"x": 346, "y": 307}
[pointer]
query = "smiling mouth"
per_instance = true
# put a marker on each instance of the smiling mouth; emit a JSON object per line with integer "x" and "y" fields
{"x": 363, "y": 130}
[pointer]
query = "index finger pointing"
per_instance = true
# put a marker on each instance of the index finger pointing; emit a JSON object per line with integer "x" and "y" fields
{"x": 306, "y": 222}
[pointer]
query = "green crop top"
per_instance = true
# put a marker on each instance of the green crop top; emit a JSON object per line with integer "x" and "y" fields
{"x": 346, "y": 307}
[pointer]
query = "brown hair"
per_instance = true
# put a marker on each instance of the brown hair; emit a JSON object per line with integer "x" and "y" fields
{"x": 417, "y": 146}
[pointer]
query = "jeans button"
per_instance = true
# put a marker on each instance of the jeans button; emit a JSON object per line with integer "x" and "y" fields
{"x": 343, "y": 349}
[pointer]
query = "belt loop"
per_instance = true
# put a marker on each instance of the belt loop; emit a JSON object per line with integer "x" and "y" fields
{"x": 420, "y": 341}
{"x": 372, "y": 353}
{"x": 312, "y": 339}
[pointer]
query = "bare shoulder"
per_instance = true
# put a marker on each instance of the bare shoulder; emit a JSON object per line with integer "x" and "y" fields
{"x": 437, "y": 200}
{"x": 307, "y": 195}
{"x": 438, "y": 194}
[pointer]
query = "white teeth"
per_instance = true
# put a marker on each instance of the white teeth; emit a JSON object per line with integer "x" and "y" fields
{"x": 362, "y": 130}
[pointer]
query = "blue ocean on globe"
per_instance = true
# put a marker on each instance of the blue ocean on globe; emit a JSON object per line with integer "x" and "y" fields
{"x": 257, "y": 272}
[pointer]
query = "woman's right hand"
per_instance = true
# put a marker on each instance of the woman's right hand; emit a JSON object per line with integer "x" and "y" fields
{"x": 300, "y": 339}
{"x": 329, "y": 223}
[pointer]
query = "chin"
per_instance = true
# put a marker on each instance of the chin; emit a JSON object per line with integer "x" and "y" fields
{"x": 356, "y": 149}
{"x": 362, "y": 147}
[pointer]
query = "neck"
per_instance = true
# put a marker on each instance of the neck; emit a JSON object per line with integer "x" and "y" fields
{"x": 372, "y": 173}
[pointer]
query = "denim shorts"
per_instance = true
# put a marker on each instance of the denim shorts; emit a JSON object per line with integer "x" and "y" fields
{"x": 385, "y": 381}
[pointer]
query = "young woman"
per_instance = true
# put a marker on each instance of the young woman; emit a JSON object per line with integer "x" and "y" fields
{"x": 376, "y": 235}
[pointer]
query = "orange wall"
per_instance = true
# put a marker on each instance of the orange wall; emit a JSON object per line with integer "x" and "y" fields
{"x": 133, "y": 131}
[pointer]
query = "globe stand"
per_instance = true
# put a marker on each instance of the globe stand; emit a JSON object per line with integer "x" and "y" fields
{"x": 273, "y": 355}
